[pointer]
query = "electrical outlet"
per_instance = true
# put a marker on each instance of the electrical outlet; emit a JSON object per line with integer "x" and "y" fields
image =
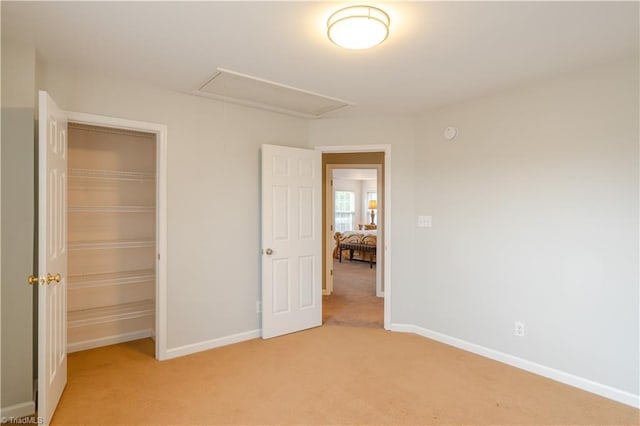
{"x": 258, "y": 307}
{"x": 519, "y": 329}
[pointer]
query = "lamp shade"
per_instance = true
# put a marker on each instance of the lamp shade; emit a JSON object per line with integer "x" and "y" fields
{"x": 358, "y": 27}
{"x": 373, "y": 204}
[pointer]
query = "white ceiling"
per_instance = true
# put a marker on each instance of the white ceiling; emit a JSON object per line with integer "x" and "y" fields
{"x": 437, "y": 52}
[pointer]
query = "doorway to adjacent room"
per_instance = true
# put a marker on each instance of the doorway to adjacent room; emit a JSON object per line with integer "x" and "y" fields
{"x": 353, "y": 285}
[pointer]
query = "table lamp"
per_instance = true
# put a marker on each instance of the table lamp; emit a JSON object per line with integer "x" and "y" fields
{"x": 373, "y": 204}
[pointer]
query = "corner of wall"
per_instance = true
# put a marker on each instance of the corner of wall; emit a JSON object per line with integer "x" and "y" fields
{"x": 17, "y": 157}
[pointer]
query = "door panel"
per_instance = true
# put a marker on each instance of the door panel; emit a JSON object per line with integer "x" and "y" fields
{"x": 291, "y": 239}
{"x": 281, "y": 285}
{"x": 280, "y": 213}
{"x": 52, "y": 256}
{"x": 306, "y": 282}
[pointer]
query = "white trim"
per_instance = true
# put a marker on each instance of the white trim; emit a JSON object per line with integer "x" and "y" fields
{"x": 160, "y": 332}
{"x": 329, "y": 169}
{"x": 354, "y": 148}
{"x": 387, "y": 239}
{"x": 2, "y": 409}
{"x": 115, "y": 122}
{"x": 160, "y": 130}
{"x": 328, "y": 223}
{"x": 212, "y": 344}
{"x": 551, "y": 373}
{"x": 109, "y": 340}
{"x": 386, "y": 148}
{"x": 22, "y": 409}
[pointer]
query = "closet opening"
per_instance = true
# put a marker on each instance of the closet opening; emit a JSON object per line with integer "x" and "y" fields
{"x": 112, "y": 236}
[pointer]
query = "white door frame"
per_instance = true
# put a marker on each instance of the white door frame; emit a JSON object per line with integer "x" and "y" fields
{"x": 160, "y": 130}
{"x": 386, "y": 148}
{"x": 330, "y": 219}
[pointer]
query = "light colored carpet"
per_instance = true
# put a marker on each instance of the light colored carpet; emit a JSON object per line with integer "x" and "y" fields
{"x": 325, "y": 376}
{"x": 353, "y": 301}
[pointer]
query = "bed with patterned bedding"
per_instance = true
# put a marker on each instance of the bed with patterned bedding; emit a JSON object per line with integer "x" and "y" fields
{"x": 368, "y": 237}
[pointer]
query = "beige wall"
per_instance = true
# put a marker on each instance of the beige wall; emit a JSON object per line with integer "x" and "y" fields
{"x": 534, "y": 205}
{"x": 535, "y": 219}
{"x": 18, "y": 100}
{"x": 213, "y": 195}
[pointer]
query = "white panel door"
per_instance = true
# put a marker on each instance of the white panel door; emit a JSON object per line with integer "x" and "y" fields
{"x": 52, "y": 256}
{"x": 291, "y": 240}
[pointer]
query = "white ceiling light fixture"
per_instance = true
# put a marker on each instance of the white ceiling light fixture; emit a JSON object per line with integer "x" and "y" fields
{"x": 358, "y": 27}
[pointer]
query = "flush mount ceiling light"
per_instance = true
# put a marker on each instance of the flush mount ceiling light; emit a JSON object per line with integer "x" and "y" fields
{"x": 358, "y": 27}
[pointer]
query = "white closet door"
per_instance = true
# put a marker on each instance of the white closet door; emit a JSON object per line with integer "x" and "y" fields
{"x": 52, "y": 252}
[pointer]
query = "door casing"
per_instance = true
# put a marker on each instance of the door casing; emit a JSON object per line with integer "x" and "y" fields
{"x": 160, "y": 130}
{"x": 329, "y": 240}
{"x": 386, "y": 243}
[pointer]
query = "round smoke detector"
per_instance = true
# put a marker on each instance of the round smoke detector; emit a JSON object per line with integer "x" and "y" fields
{"x": 450, "y": 133}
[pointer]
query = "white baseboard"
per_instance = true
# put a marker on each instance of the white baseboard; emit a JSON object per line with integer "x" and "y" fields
{"x": 110, "y": 340}
{"x": 19, "y": 410}
{"x": 548, "y": 372}
{"x": 211, "y": 344}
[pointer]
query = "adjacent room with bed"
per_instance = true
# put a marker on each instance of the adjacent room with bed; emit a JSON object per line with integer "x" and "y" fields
{"x": 352, "y": 297}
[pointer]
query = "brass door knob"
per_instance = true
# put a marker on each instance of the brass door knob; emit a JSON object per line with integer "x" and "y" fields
{"x": 268, "y": 251}
{"x": 55, "y": 278}
{"x": 31, "y": 280}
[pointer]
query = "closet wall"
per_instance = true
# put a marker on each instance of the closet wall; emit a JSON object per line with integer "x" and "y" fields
{"x": 111, "y": 236}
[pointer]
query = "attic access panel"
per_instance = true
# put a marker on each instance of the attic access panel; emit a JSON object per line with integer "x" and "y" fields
{"x": 251, "y": 91}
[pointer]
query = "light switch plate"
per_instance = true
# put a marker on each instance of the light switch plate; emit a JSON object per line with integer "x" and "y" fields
{"x": 424, "y": 221}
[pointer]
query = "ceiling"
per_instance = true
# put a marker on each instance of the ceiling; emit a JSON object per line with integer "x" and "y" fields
{"x": 437, "y": 52}
{"x": 357, "y": 174}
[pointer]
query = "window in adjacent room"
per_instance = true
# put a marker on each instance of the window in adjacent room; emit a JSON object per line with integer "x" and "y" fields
{"x": 345, "y": 210}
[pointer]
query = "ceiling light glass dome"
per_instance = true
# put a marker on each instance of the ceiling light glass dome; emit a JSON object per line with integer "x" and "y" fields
{"x": 358, "y": 27}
